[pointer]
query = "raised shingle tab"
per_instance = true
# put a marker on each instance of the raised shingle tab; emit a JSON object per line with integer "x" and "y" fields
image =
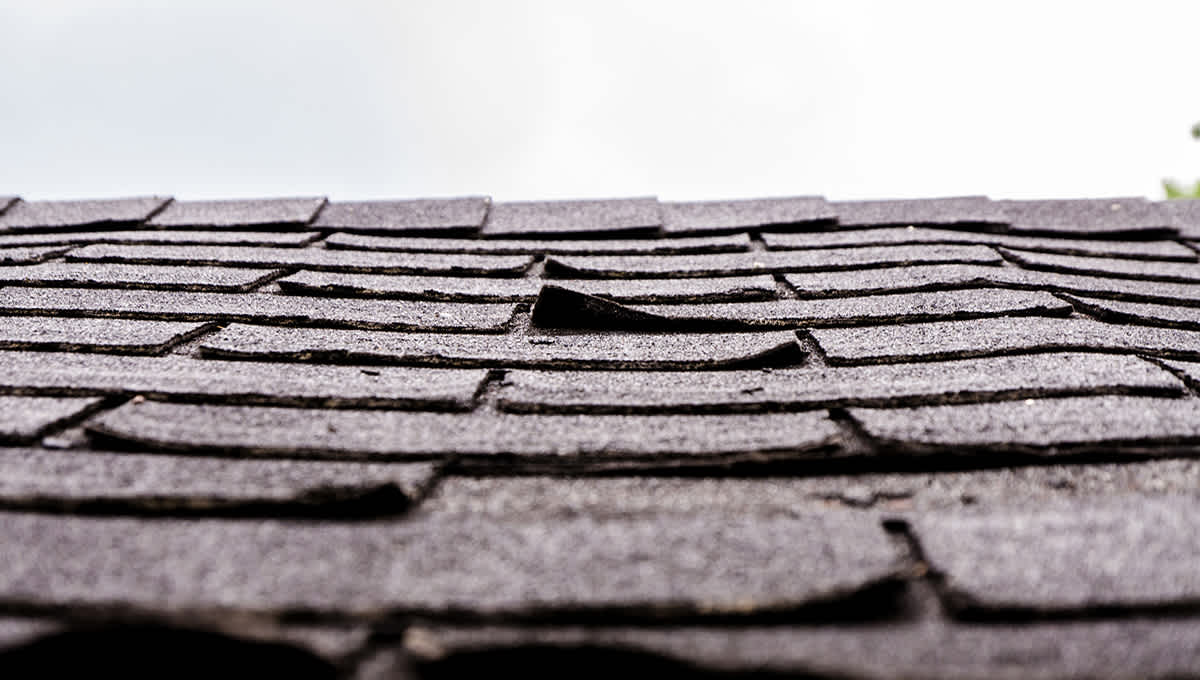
{"x": 163, "y": 237}
{"x": 94, "y": 335}
{"x": 624, "y": 216}
{"x": 1114, "y": 217}
{"x": 153, "y": 277}
{"x": 738, "y": 215}
{"x": 267, "y": 212}
{"x": 24, "y": 418}
{"x": 660, "y": 246}
{"x": 1184, "y": 272}
{"x": 419, "y": 215}
{"x": 956, "y": 211}
{"x": 17, "y": 256}
{"x": 32, "y": 215}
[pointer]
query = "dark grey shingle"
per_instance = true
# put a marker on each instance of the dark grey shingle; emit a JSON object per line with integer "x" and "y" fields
{"x": 711, "y": 244}
{"x": 25, "y": 418}
{"x": 966, "y": 211}
{"x": 27, "y": 215}
{"x": 741, "y": 264}
{"x": 163, "y": 237}
{"x": 1181, "y": 272}
{"x": 632, "y": 351}
{"x": 269, "y": 212}
{"x": 259, "y": 308}
{"x": 309, "y": 258}
{"x": 94, "y": 335}
{"x": 420, "y": 215}
{"x": 739, "y": 215}
{"x": 151, "y": 277}
{"x": 179, "y": 377}
{"x": 1098, "y": 217}
{"x": 816, "y": 387}
{"x": 626, "y": 216}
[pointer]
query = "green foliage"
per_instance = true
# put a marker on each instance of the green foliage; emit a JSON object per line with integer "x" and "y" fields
{"x": 1175, "y": 190}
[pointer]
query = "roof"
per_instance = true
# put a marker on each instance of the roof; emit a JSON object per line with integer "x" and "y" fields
{"x": 916, "y": 438}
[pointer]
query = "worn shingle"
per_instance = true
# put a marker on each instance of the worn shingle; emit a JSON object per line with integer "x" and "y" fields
{"x": 729, "y": 216}
{"x": 1111, "y": 217}
{"x": 163, "y": 237}
{"x": 153, "y": 277}
{"x": 18, "y": 256}
{"x": 419, "y": 215}
{"x": 624, "y": 216}
{"x": 1184, "y": 215}
{"x": 94, "y": 335}
{"x": 25, "y": 418}
{"x": 272, "y": 212}
{"x": 1108, "y": 266}
{"x": 33, "y": 215}
{"x": 661, "y": 246}
{"x": 958, "y": 211}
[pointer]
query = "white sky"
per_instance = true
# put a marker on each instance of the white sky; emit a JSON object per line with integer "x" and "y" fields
{"x": 523, "y": 100}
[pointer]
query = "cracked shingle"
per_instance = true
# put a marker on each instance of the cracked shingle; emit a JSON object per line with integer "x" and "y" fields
{"x": 624, "y": 216}
{"x": 33, "y": 215}
{"x": 502, "y": 441}
{"x": 94, "y": 335}
{"x": 1180, "y": 272}
{"x": 961, "y": 211}
{"x": 162, "y": 237}
{"x": 633, "y": 351}
{"x": 1015, "y": 377}
{"x": 309, "y": 258}
{"x": 273, "y": 212}
{"x": 660, "y": 246}
{"x": 741, "y": 264}
{"x": 526, "y": 290}
{"x": 179, "y": 377}
{"x": 142, "y": 276}
{"x": 97, "y": 482}
{"x": 991, "y": 337}
{"x": 26, "y": 418}
{"x": 1100, "y": 217}
{"x": 258, "y": 308}
{"x": 739, "y": 215}
{"x": 419, "y": 215}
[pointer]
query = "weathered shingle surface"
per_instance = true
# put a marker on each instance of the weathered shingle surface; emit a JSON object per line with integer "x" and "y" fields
{"x": 941, "y": 438}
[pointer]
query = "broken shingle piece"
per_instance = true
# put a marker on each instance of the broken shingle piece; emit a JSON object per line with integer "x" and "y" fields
{"x": 95, "y": 335}
{"x": 259, "y": 308}
{"x": 992, "y": 337}
{"x": 95, "y": 482}
{"x": 260, "y": 213}
{"x": 770, "y": 262}
{"x": 1101, "y": 217}
{"x": 141, "y": 276}
{"x": 1014, "y": 377}
{"x": 19, "y": 256}
{"x": 627, "y": 351}
{"x": 957, "y": 211}
{"x": 26, "y": 418}
{"x": 1123, "y": 552}
{"x": 661, "y": 246}
{"x": 309, "y": 258}
{"x": 185, "y": 378}
{"x": 1112, "y": 424}
{"x": 33, "y": 215}
{"x": 739, "y": 215}
{"x": 507, "y": 441}
{"x": 480, "y": 569}
{"x": 885, "y": 236}
{"x": 419, "y": 215}
{"x": 624, "y": 216}
{"x": 1182, "y": 272}
{"x": 524, "y": 289}
{"x": 163, "y": 237}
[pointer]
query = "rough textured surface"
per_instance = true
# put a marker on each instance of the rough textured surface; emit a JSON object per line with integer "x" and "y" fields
{"x": 34, "y": 215}
{"x": 136, "y": 276}
{"x": 1097, "y": 217}
{"x": 1184, "y": 215}
{"x": 420, "y": 215}
{"x": 963, "y": 211}
{"x": 770, "y": 262}
{"x": 725, "y": 216}
{"x": 662, "y": 246}
{"x": 1108, "y": 266}
{"x": 94, "y": 335}
{"x": 560, "y": 440}
{"x": 1139, "y": 312}
{"x": 1016, "y": 377}
{"x": 552, "y": 218}
{"x": 25, "y": 418}
{"x": 308, "y": 258}
{"x": 282, "y": 212}
{"x": 283, "y": 310}
{"x": 634, "y": 351}
{"x": 989, "y": 337}
{"x": 163, "y": 237}
{"x": 18, "y": 256}
{"x": 184, "y": 378}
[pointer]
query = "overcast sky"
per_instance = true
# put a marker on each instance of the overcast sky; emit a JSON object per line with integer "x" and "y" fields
{"x": 523, "y": 100}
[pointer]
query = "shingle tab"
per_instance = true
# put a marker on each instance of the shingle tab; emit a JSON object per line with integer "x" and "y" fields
{"x": 1184, "y": 215}
{"x": 509, "y": 442}
{"x": 309, "y": 258}
{"x": 660, "y": 246}
{"x": 91, "y": 482}
{"x": 25, "y": 418}
{"x": 178, "y": 377}
{"x": 259, "y": 308}
{"x": 1183, "y": 272}
{"x": 163, "y": 237}
{"x": 991, "y": 337}
{"x": 18, "y": 256}
{"x": 1038, "y": 426}
{"x": 632, "y": 351}
{"x": 1102, "y": 217}
{"x": 526, "y": 289}
{"x": 709, "y": 565}
{"x": 770, "y": 262}
{"x": 1140, "y": 250}
{"x": 7, "y": 202}
{"x": 273, "y": 212}
{"x": 1126, "y": 551}
{"x": 1117, "y": 311}
{"x": 94, "y": 335}
{"x": 738, "y": 215}
{"x": 625, "y": 216}
{"x": 960, "y": 211}
{"x": 419, "y": 215}
{"x": 1015, "y": 377}
{"x": 30, "y": 215}
{"x": 152, "y": 277}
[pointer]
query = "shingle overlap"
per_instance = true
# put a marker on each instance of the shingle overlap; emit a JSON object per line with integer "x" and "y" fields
{"x": 418, "y": 215}
{"x": 272, "y": 212}
{"x": 46, "y": 215}
{"x": 728, "y": 216}
{"x": 623, "y": 216}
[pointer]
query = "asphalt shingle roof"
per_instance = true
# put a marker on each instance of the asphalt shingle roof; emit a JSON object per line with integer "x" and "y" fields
{"x": 869, "y": 439}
